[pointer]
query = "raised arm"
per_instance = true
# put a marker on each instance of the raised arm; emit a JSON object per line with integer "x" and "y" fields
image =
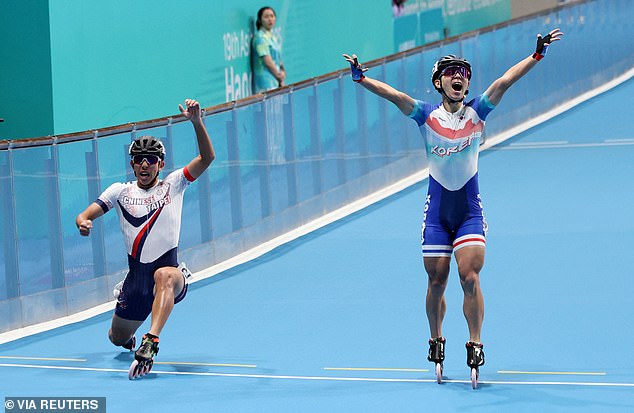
{"x": 501, "y": 85}
{"x": 198, "y": 165}
{"x": 403, "y": 101}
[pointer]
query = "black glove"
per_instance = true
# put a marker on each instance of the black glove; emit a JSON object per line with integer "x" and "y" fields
{"x": 542, "y": 46}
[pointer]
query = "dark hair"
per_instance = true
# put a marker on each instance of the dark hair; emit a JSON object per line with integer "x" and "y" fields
{"x": 258, "y": 22}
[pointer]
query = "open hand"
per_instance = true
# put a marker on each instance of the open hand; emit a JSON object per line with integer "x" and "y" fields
{"x": 543, "y": 42}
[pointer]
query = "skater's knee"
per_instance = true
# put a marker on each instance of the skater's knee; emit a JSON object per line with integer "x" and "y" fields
{"x": 166, "y": 277}
{"x": 470, "y": 281}
{"x": 114, "y": 339}
{"x": 437, "y": 284}
{"x": 117, "y": 338}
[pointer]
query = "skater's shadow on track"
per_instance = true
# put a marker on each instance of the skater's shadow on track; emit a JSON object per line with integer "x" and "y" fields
{"x": 127, "y": 356}
{"x": 453, "y": 381}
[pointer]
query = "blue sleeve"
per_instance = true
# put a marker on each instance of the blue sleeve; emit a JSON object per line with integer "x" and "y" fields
{"x": 421, "y": 111}
{"x": 483, "y": 106}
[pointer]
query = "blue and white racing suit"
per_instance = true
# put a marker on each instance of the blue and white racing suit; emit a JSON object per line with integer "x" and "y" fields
{"x": 453, "y": 216}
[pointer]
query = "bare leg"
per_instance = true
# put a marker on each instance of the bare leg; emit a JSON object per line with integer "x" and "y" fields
{"x": 438, "y": 273}
{"x": 168, "y": 282}
{"x": 470, "y": 261}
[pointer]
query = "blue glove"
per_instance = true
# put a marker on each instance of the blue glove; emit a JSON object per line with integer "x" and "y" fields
{"x": 357, "y": 71}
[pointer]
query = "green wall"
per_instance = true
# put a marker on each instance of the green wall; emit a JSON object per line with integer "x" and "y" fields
{"x": 90, "y": 64}
{"x": 120, "y": 61}
{"x": 25, "y": 69}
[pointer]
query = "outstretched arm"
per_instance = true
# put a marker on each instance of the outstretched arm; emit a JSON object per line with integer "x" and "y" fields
{"x": 501, "y": 85}
{"x": 198, "y": 165}
{"x": 403, "y": 101}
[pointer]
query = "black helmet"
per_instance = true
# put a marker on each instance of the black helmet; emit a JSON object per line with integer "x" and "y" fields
{"x": 446, "y": 61}
{"x": 147, "y": 145}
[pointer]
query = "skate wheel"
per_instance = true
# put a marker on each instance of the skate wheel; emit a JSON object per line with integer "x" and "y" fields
{"x": 474, "y": 377}
{"x": 439, "y": 373}
{"x": 147, "y": 366}
{"x": 143, "y": 370}
{"x": 133, "y": 373}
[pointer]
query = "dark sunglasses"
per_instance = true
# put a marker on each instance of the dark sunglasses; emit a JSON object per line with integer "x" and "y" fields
{"x": 150, "y": 159}
{"x": 461, "y": 70}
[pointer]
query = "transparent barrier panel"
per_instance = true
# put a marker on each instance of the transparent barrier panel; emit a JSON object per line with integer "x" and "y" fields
{"x": 330, "y": 111}
{"x": 79, "y": 258}
{"x": 8, "y": 255}
{"x": 402, "y": 131}
{"x": 307, "y": 167}
{"x": 31, "y": 174}
{"x": 196, "y": 220}
{"x": 220, "y": 174}
{"x": 250, "y": 144}
{"x": 113, "y": 166}
{"x": 277, "y": 156}
{"x": 353, "y": 109}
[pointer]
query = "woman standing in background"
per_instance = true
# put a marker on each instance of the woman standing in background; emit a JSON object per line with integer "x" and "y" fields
{"x": 268, "y": 68}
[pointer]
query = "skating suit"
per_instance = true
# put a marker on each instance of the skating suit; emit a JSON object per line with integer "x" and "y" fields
{"x": 150, "y": 220}
{"x": 453, "y": 216}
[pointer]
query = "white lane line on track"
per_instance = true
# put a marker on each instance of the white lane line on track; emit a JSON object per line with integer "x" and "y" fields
{"x": 376, "y": 369}
{"x": 327, "y": 378}
{"x": 539, "y": 143}
{"x": 553, "y": 373}
{"x": 187, "y": 363}
{"x": 41, "y": 358}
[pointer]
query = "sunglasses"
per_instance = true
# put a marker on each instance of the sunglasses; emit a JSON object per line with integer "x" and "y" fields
{"x": 150, "y": 159}
{"x": 461, "y": 70}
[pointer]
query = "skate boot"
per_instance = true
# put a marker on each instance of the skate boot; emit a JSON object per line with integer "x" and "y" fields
{"x": 186, "y": 273}
{"x": 144, "y": 357}
{"x": 116, "y": 291}
{"x": 437, "y": 355}
{"x": 475, "y": 359}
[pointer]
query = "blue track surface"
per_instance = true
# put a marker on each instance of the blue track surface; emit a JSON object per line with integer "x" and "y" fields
{"x": 302, "y": 326}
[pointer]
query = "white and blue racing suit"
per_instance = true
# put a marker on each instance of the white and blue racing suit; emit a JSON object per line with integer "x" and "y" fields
{"x": 453, "y": 216}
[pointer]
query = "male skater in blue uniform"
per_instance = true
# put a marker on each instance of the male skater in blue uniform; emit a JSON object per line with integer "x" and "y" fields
{"x": 453, "y": 219}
